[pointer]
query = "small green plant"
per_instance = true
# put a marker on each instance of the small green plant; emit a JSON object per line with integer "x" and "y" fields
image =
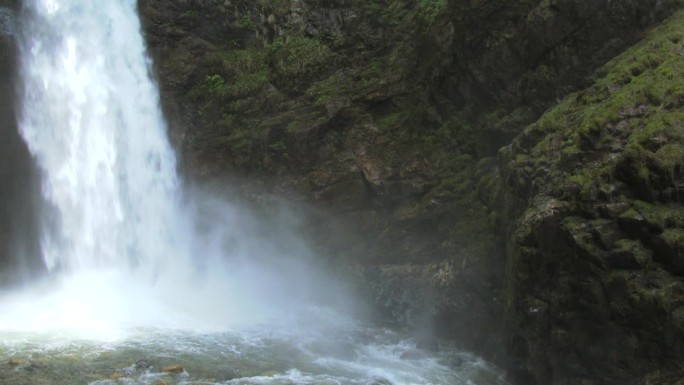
{"x": 277, "y": 7}
{"x": 211, "y": 87}
{"x": 298, "y": 56}
{"x": 215, "y": 82}
{"x": 278, "y": 146}
{"x": 246, "y": 22}
{"x": 429, "y": 9}
{"x": 190, "y": 15}
{"x": 244, "y": 72}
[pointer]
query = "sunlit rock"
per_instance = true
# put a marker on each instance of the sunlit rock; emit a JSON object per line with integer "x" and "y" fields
{"x": 15, "y": 362}
{"x": 172, "y": 369}
{"x": 269, "y": 373}
{"x": 116, "y": 375}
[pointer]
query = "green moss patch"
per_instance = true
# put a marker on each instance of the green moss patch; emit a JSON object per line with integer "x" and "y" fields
{"x": 297, "y": 58}
{"x": 628, "y": 127}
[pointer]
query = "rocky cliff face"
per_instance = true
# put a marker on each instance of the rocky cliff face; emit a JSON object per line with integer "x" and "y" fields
{"x": 332, "y": 102}
{"x": 596, "y": 258}
{"x": 388, "y": 115}
{"x": 17, "y": 226}
{"x": 6, "y": 64}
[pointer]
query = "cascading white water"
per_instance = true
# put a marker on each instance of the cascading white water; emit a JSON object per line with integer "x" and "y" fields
{"x": 91, "y": 118}
{"x": 123, "y": 250}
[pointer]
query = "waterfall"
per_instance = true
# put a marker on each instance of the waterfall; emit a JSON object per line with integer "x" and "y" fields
{"x": 91, "y": 118}
{"x": 115, "y": 238}
{"x": 126, "y": 246}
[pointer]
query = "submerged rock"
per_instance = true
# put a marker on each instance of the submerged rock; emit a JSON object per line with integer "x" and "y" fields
{"x": 116, "y": 375}
{"x": 15, "y": 362}
{"x": 172, "y": 369}
{"x": 142, "y": 364}
{"x": 269, "y": 373}
{"x": 379, "y": 381}
{"x": 339, "y": 349}
{"x": 429, "y": 343}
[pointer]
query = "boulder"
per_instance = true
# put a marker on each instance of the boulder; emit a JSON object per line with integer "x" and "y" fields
{"x": 175, "y": 369}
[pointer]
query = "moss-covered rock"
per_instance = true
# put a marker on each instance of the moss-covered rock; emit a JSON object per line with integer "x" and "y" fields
{"x": 595, "y": 259}
{"x": 387, "y": 115}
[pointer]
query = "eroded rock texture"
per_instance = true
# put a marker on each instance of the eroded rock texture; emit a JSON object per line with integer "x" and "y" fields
{"x": 388, "y": 117}
{"x": 596, "y": 288}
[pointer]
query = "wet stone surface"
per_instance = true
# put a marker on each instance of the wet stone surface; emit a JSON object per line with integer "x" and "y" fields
{"x": 7, "y": 21}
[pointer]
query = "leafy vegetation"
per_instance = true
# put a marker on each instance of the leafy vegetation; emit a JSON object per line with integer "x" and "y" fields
{"x": 294, "y": 57}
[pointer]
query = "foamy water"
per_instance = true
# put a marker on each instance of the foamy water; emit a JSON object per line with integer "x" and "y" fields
{"x": 122, "y": 243}
{"x": 353, "y": 357}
